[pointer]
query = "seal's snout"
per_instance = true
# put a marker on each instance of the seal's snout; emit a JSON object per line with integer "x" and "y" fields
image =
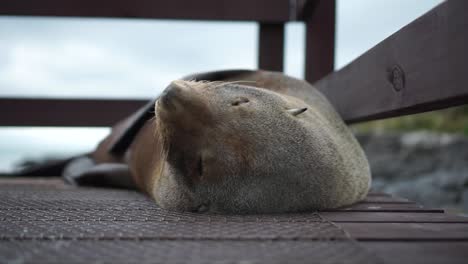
{"x": 175, "y": 95}
{"x": 183, "y": 103}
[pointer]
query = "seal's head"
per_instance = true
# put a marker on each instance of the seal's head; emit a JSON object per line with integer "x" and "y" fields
{"x": 237, "y": 148}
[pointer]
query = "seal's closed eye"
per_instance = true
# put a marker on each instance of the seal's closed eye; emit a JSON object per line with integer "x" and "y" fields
{"x": 297, "y": 111}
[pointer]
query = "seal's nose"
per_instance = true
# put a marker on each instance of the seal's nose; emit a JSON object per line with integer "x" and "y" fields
{"x": 183, "y": 102}
{"x": 175, "y": 94}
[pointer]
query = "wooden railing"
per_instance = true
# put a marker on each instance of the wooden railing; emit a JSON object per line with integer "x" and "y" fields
{"x": 422, "y": 67}
{"x": 270, "y": 14}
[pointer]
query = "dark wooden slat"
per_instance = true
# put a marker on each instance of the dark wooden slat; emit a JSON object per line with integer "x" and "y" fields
{"x": 419, "y": 252}
{"x": 65, "y": 112}
{"x": 386, "y": 207}
{"x": 407, "y": 231}
{"x": 380, "y": 194}
{"x": 385, "y": 199}
{"x": 393, "y": 217}
{"x": 458, "y": 42}
{"x": 46, "y": 180}
{"x": 271, "y": 47}
{"x": 260, "y": 10}
{"x": 320, "y": 38}
{"x": 418, "y": 69}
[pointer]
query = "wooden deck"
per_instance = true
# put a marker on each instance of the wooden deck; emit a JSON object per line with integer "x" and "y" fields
{"x": 43, "y": 220}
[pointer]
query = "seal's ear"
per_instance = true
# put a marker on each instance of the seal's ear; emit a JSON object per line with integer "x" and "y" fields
{"x": 297, "y": 111}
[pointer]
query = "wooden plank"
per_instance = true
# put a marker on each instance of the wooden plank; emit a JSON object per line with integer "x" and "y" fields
{"x": 393, "y": 217}
{"x": 407, "y": 231}
{"x": 320, "y": 38}
{"x": 65, "y": 112}
{"x": 374, "y": 194}
{"x": 412, "y": 71}
{"x": 385, "y": 199}
{"x": 46, "y": 180}
{"x": 419, "y": 252}
{"x": 386, "y": 207}
{"x": 458, "y": 42}
{"x": 271, "y": 47}
{"x": 260, "y": 10}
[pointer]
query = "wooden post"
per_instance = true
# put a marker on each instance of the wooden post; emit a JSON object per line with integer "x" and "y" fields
{"x": 320, "y": 40}
{"x": 271, "y": 46}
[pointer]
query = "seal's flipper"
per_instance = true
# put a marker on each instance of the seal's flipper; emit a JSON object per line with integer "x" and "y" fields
{"x": 135, "y": 122}
{"x": 84, "y": 172}
{"x": 132, "y": 125}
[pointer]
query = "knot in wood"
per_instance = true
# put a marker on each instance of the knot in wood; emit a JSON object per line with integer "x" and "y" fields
{"x": 397, "y": 77}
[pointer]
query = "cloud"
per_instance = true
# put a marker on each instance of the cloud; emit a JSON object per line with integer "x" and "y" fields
{"x": 79, "y": 69}
{"x": 362, "y": 24}
{"x": 116, "y": 58}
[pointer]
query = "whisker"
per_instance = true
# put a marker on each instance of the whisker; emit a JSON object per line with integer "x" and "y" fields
{"x": 233, "y": 82}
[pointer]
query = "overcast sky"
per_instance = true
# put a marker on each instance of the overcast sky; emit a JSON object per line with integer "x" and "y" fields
{"x": 135, "y": 58}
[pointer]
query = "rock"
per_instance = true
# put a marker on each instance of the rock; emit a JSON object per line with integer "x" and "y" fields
{"x": 378, "y": 185}
{"x": 425, "y": 191}
{"x": 427, "y": 140}
{"x": 429, "y": 168}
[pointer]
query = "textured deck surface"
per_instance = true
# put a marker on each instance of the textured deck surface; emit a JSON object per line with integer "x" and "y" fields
{"x": 45, "y": 221}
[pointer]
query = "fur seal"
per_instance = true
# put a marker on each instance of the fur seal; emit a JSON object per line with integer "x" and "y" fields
{"x": 233, "y": 142}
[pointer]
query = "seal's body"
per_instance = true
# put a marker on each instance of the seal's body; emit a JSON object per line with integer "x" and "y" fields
{"x": 247, "y": 142}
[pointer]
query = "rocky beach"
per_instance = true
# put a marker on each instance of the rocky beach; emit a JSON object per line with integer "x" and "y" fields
{"x": 430, "y": 168}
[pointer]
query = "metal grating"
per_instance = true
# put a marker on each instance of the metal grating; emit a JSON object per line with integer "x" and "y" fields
{"x": 180, "y": 252}
{"x": 48, "y": 223}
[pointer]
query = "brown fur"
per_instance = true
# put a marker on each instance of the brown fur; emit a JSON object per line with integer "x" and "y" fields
{"x": 255, "y": 156}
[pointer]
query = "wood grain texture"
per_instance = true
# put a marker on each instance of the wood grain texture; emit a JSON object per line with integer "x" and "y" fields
{"x": 65, "y": 213}
{"x": 386, "y": 207}
{"x": 260, "y": 10}
{"x": 271, "y": 47}
{"x": 419, "y": 252}
{"x": 407, "y": 231}
{"x": 393, "y": 217}
{"x": 65, "y": 112}
{"x": 385, "y": 199}
{"x": 320, "y": 38}
{"x": 420, "y": 68}
{"x": 458, "y": 43}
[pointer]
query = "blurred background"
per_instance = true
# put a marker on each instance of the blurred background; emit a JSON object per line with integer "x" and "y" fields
{"x": 423, "y": 157}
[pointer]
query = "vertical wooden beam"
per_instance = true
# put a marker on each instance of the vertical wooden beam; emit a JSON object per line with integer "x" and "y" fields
{"x": 320, "y": 39}
{"x": 271, "y": 46}
{"x": 457, "y": 43}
